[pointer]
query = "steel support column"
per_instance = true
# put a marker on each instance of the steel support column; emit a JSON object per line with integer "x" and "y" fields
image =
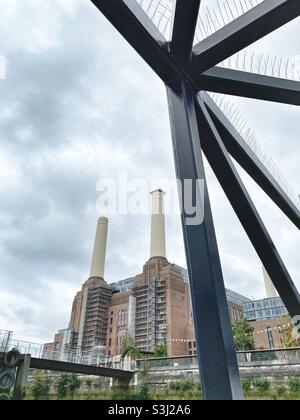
{"x": 217, "y": 358}
{"x": 185, "y": 17}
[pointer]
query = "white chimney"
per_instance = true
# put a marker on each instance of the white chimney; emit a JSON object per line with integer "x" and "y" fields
{"x": 98, "y": 261}
{"x": 270, "y": 288}
{"x": 158, "y": 236}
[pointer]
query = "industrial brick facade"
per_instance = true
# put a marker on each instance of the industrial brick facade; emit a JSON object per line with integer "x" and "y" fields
{"x": 156, "y": 309}
{"x": 268, "y": 334}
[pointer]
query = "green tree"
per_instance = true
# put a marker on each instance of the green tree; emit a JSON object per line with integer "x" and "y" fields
{"x": 74, "y": 384}
{"x": 129, "y": 348}
{"x": 67, "y": 386}
{"x": 161, "y": 351}
{"x": 88, "y": 383}
{"x": 287, "y": 333}
{"x": 62, "y": 386}
{"x": 144, "y": 392}
{"x": 243, "y": 336}
{"x": 40, "y": 389}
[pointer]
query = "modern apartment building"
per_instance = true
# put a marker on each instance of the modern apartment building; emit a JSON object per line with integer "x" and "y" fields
{"x": 264, "y": 309}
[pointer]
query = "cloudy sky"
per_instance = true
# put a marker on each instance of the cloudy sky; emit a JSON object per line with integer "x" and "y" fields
{"x": 78, "y": 106}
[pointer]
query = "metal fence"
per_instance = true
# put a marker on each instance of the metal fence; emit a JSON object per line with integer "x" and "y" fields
{"x": 24, "y": 347}
{"x": 5, "y": 337}
{"x": 254, "y": 358}
{"x": 289, "y": 356}
{"x": 279, "y": 356}
{"x": 79, "y": 357}
{"x": 63, "y": 355}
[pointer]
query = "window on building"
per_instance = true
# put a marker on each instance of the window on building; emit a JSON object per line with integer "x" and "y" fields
{"x": 190, "y": 344}
{"x": 109, "y": 343}
{"x": 120, "y": 342}
{"x": 270, "y": 338}
{"x": 234, "y": 315}
{"x": 111, "y": 321}
{"x": 282, "y": 342}
{"x": 123, "y": 316}
{"x": 122, "y": 329}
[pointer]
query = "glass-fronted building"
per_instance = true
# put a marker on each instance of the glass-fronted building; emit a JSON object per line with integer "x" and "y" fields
{"x": 123, "y": 285}
{"x": 264, "y": 309}
{"x": 236, "y": 297}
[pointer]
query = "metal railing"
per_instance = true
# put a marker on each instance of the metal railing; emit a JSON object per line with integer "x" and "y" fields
{"x": 79, "y": 357}
{"x": 24, "y": 347}
{"x": 37, "y": 351}
{"x": 255, "y": 358}
{"x": 289, "y": 356}
{"x": 5, "y": 337}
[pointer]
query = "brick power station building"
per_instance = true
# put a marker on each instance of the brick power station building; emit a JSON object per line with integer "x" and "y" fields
{"x": 152, "y": 308}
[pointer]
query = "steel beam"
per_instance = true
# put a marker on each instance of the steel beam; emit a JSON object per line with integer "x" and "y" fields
{"x": 134, "y": 24}
{"x": 244, "y": 208}
{"x": 216, "y": 352}
{"x": 184, "y": 23}
{"x": 248, "y": 160}
{"x": 243, "y": 31}
{"x": 250, "y": 85}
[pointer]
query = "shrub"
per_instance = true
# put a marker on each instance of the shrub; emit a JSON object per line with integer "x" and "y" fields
{"x": 182, "y": 386}
{"x": 280, "y": 391}
{"x": 294, "y": 385}
{"x": 161, "y": 351}
{"x": 143, "y": 393}
{"x": 246, "y": 385}
{"x": 175, "y": 386}
{"x": 262, "y": 384}
{"x": 67, "y": 385}
{"x": 40, "y": 389}
{"x": 88, "y": 384}
{"x": 121, "y": 395}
